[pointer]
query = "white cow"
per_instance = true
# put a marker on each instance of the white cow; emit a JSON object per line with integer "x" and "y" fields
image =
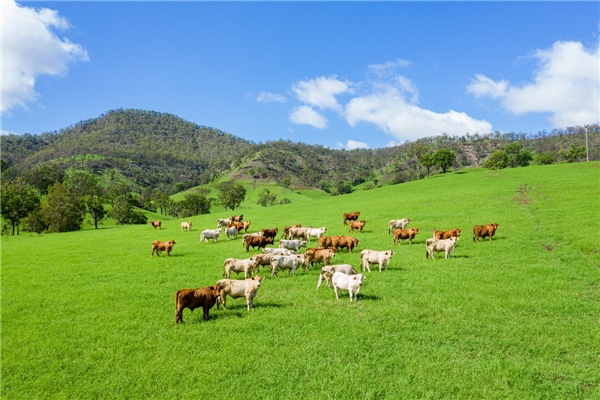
{"x": 368, "y": 257}
{"x": 210, "y": 234}
{"x": 246, "y": 266}
{"x": 239, "y": 288}
{"x": 223, "y": 222}
{"x": 328, "y": 271}
{"x": 186, "y": 225}
{"x": 300, "y": 233}
{"x": 291, "y": 263}
{"x": 445, "y": 245}
{"x": 292, "y": 244}
{"x": 351, "y": 283}
{"x": 316, "y": 232}
{"x": 231, "y": 232}
{"x": 279, "y": 251}
{"x": 397, "y": 224}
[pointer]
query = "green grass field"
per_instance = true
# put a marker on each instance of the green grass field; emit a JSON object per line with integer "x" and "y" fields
{"x": 90, "y": 314}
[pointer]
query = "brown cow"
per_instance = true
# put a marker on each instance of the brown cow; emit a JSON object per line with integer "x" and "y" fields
{"x": 348, "y": 242}
{"x": 238, "y": 225}
{"x": 314, "y": 255}
{"x": 447, "y": 234}
{"x": 257, "y": 241}
{"x": 481, "y": 231}
{"x": 327, "y": 241}
{"x": 155, "y": 224}
{"x": 194, "y": 298}
{"x": 286, "y": 230}
{"x": 354, "y": 225}
{"x": 351, "y": 216}
{"x": 263, "y": 260}
{"x": 246, "y": 226}
{"x": 237, "y": 218}
{"x": 159, "y": 246}
{"x": 403, "y": 234}
{"x": 270, "y": 233}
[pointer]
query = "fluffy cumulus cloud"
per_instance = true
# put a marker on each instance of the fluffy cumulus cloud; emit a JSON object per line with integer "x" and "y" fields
{"x": 305, "y": 115}
{"x": 565, "y": 84}
{"x": 31, "y": 48}
{"x": 321, "y": 92}
{"x": 266, "y": 97}
{"x": 352, "y": 144}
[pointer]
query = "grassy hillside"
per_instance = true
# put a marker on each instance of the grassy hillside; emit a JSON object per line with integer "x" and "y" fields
{"x": 90, "y": 314}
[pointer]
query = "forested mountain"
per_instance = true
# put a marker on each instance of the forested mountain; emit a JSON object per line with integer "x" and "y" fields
{"x": 149, "y": 149}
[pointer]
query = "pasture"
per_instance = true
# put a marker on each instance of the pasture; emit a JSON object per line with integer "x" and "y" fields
{"x": 90, "y": 314}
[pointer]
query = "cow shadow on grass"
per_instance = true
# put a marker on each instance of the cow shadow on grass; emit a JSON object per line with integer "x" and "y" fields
{"x": 369, "y": 297}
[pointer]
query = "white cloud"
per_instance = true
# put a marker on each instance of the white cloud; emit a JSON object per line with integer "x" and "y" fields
{"x": 352, "y": 144}
{"x": 566, "y": 84}
{"x": 30, "y": 48}
{"x": 266, "y": 97}
{"x": 321, "y": 92}
{"x": 389, "y": 111}
{"x": 388, "y": 68}
{"x": 305, "y": 115}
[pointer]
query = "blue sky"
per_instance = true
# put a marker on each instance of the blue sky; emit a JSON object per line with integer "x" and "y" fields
{"x": 338, "y": 74}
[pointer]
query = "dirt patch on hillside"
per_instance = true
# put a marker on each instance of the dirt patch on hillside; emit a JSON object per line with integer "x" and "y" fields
{"x": 523, "y": 197}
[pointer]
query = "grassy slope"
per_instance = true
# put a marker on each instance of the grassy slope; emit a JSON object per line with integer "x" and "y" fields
{"x": 89, "y": 314}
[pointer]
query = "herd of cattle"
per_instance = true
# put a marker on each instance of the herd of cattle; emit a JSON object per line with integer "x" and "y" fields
{"x": 288, "y": 257}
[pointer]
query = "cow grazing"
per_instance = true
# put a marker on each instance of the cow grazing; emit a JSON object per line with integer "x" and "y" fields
{"x": 397, "y": 224}
{"x": 223, "y": 222}
{"x": 328, "y": 271}
{"x": 247, "y": 235}
{"x": 291, "y": 263}
{"x": 155, "y": 224}
{"x": 231, "y": 232}
{"x": 319, "y": 256}
{"x": 368, "y": 257}
{"x": 286, "y": 230}
{"x": 237, "y": 218}
{"x": 351, "y": 283}
{"x": 348, "y": 242}
{"x": 186, "y": 225}
{"x": 327, "y": 241}
{"x": 437, "y": 246}
{"x": 239, "y": 288}
{"x": 257, "y": 241}
{"x": 239, "y": 226}
{"x": 293, "y": 245}
{"x": 403, "y": 234}
{"x": 354, "y": 225}
{"x": 351, "y": 216}
{"x": 158, "y": 246}
{"x": 298, "y": 233}
{"x": 481, "y": 231}
{"x": 246, "y": 266}
{"x": 194, "y": 298}
{"x": 278, "y": 251}
{"x": 263, "y": 260}
{"x": 270, "y": 233}
{"x": 446, "y": 234}
{"x": 210, "y": 234}
{"x": 316, "y": 232}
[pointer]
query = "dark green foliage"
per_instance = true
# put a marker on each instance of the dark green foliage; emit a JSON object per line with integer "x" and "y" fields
{"x": 35, "y": 221}
{"x": 266, "y": 198}
{"x": 444, "y": 159}
{"x": 95, "y": 207}
{"x": 497, "y": 160}
{"x": 546, "y": 158}
{"x": 123, "y": 212}
{"x": 232, "y": 195}
{"x": 572, "y": 153}
{"x": 196, "y": 204}
{"x": 517, "y": 156}
{"x": 285, "y": 200}
{"x": 64, "y": 209}
{"x": 18, "y": 200}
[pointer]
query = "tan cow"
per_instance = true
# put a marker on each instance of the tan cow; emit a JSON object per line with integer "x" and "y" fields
{"x": 481, "y": 231}
{"x": 403, "y": 234}
{"x": 351, "y": 216}
{"x": 186, "y": 225}
{"x": 155, "y": 224}
{"x": 354, "y": 225}
{"x": 239, "y": 288}
{"x": 158, "y": 246}
{"x": 324, "y": 256}
{"x": 447, "y": 234}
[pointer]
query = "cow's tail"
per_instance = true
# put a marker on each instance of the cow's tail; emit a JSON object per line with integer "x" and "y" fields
{"x": 177, "y": 297}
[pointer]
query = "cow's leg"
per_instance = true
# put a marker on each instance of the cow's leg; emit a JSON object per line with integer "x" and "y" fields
{"x": 178, "y": 315}
{"x": 335, "y": 289}
{"x": 320, "y": 281}
{"x": 206, "y": 308}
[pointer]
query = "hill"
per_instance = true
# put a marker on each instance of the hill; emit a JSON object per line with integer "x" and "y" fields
{"x": 515, "y": 317}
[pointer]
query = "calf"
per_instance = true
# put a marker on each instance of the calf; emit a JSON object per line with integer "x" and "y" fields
{"x": 328, "y": 271}
{"x": 246, "y": 266}
{"x": 291, "y": 263}
{"x": 236, "y": 288}
{"x": 435, "y": 245}
{"x": 368, "y": 257}
{"x": 354, "y": 225}
{"x": 319, "y": 256}
{"x": 351, "y": 216}
{"x": 210, "y": 234}
{"x": 446, "y": 234}
{"x": 155, "y": 224}
{"x": 397, "y": 224}
{"x": 239, "y": 226}
{"x": 159, "y": 246}
{"x": 263, "y": 260}
{"x": 237, "y": 218}
{"x": 294, "y": 245}
{"x": 246, "y": 225}
{"x": 247, "y": 235}
{"x": 257, "y": 241}
{"x": 278, "y": 251}
{"x": 403, "y": 234}
{"x": 351, "y": 283}
{"x": 481, "y": 231}
{"x": 186, "y": 225}
{"x": 194, "y": 298}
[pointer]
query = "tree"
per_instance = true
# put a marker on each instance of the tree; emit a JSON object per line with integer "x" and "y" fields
{"x": 95, "y": 207}
{"x": 517, "y": 156}
{"x": 64, "y": 209}
{"x": 444, "y": 159}
{"x": 124, "y": 213}
{"x": 232, "y": 195}
{"x": 197, "y": 204}
{"x": 546, "y": 158}
{"x": 496, "y": 160}
{"x": 87, "y": 187}
{"x": 266, "y": 198}
{"x": 573, "y": 153}
{"x": 418, "y": 150}
{"x": 43, "y": 176}
{"x": 426, "y": 160}
{"x": 18, "y": 199}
